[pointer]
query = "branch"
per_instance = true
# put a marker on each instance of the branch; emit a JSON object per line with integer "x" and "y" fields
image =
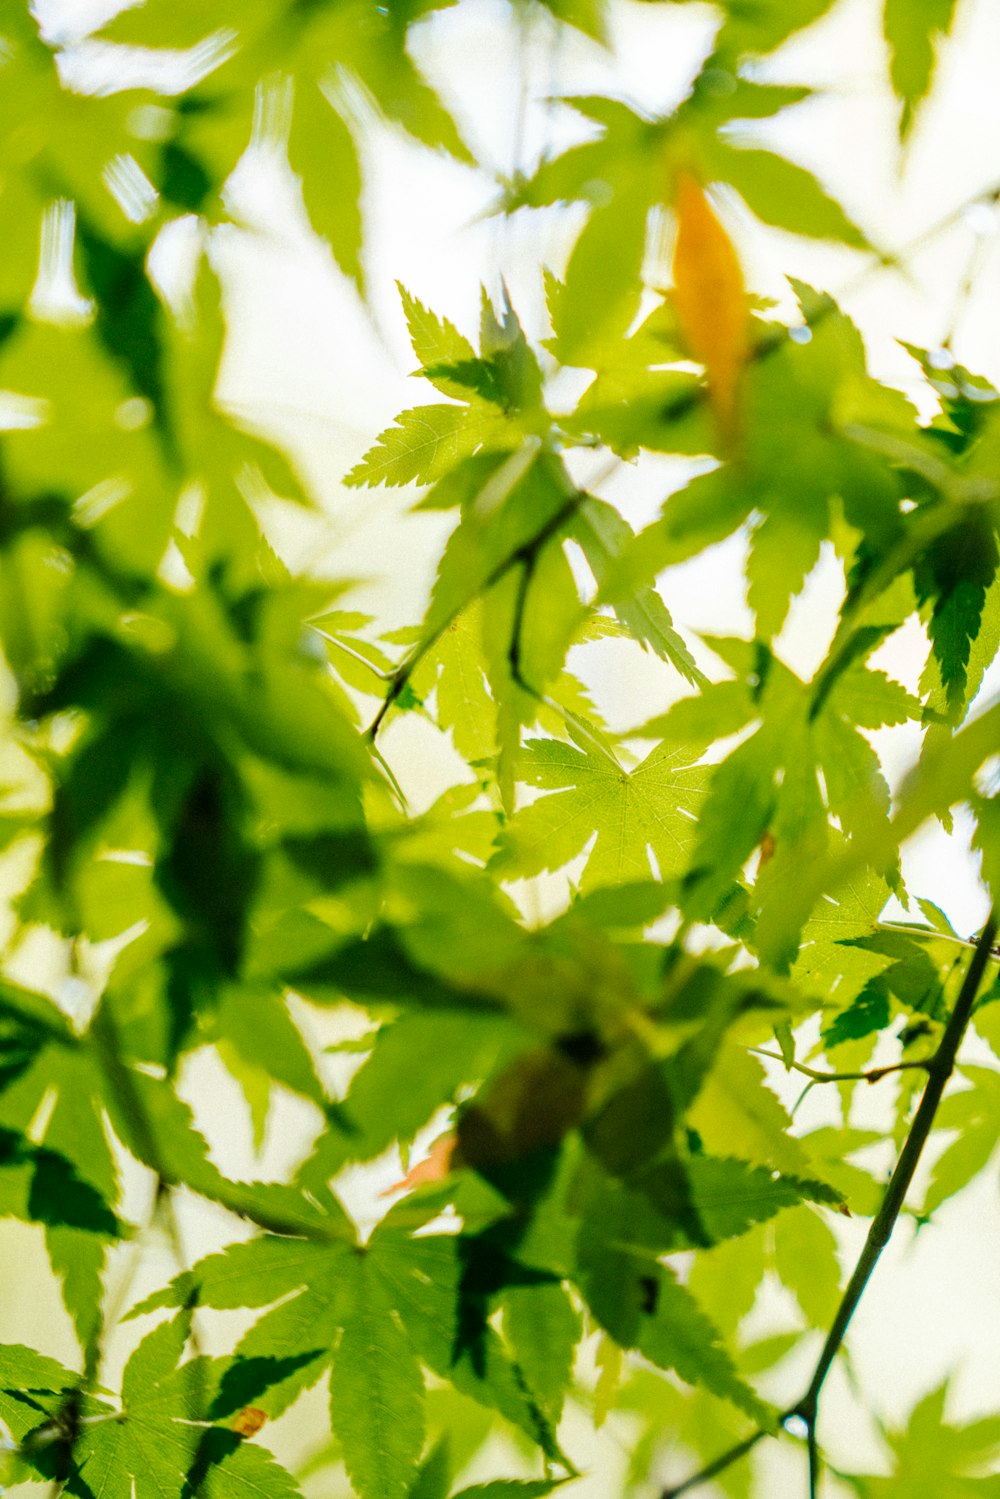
{"x": 939, "y": 1069}
{"x": 873, "y": 1075}
{"x": 722, "y": 1462}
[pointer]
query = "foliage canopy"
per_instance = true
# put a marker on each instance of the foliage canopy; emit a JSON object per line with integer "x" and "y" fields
{"x": 202, "y": 829}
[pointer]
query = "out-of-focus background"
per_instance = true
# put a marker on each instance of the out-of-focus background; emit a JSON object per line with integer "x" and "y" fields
{"x": 311, "y": 365}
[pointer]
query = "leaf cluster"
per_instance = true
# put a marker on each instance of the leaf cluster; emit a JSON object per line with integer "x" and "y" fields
{"x": 206, "y": 837}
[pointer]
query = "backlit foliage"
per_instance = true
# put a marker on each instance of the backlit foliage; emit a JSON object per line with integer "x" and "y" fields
{"x": 200, "y": 817}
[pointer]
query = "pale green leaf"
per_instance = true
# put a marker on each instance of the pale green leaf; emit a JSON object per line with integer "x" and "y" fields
{"x": 912, "y": 28}
{"x": 423, "y": 444}
{"x": 648, "y": 811}
{"x": 805, "y": 1256}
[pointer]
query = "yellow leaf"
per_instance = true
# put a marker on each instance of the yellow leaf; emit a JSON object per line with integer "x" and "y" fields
{"x": 710, "y": 298}
{"x": 249, "y": 1421}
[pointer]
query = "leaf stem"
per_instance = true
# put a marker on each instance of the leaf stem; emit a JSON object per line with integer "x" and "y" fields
{"x": 939, "y": 1069}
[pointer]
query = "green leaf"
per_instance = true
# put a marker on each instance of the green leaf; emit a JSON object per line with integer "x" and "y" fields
{"x": 376, "y": 1388}
{"x": 424, "y": 1277}
{"x": 543, "y": 1328}
{"x": 156, "y": 1444}
{"x": 783, "y": 194}
{"x": 976, "y": 1113}
{"x": 912, "y": 30}
{"x": 130, "y": 319}
{"x": 679, "y": 1336}
{"x": 764, "y": 26}
{"x": 503, "y": 345}
{"x": 731, "y": 1196}
{"x": 321, "y": 148}
{"x": 805, "y": 1256}
{"x": 639, "y": 1302}
{"x": 434, "y": 339}
{"x": 227, "y": 1467}
{"x": 863, "y": 1017}
{"x": 953, "y": 579}
{"x": 726, "y": 1278}
{"x": 872, "y": 700}
{"x": 257, "y": 1023}
{"x": 300, "y": 1333}
{"x": 516, "y": 511}
{"x": 603, "y": 535}
{"x": 932, "y": 1457}
{"x": 455, "y": 670}
{"x": 32, "y": 1386}
{"x": 601, "y": 292}
{"x": 434, "y": 1478}
{"x": 418, "y": 1063}
{"x": 588, "y": 16}
{"x": 647, "y": 811}
{"x": 737, "y": 1114}
{"x": 422, "y": 445}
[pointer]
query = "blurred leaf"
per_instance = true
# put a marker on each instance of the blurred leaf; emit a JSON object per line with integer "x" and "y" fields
{"x": 322, "y": 150}
{"x": 805, "y": 1253}
{"x": 912, "y": 30}
{"x": 934, "y": 1457}
{"x": 784, "y": 194}
{"x": 710, "y": 297}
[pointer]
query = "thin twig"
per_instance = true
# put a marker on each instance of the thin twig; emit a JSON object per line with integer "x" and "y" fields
{"x": 812, "y": 1448}
{"x": 873, "y": 1075}
{"x": 719, "y": 1465}
{"x": 939, "y": 1070}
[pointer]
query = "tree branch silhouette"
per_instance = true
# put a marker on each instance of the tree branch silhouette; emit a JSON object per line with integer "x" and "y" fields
{"x": 939, "y": 1070}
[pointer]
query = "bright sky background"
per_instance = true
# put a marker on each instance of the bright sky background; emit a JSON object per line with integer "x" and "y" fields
{"x": 314, "y": 367}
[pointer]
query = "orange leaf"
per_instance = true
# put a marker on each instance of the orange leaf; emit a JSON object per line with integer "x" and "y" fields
{"x": 249, "y": 1420}
{"x": 710, "y": 298}
{"x": 434, "y": 1169}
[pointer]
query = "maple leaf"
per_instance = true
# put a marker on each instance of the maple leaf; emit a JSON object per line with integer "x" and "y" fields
{"x": 936, "y": 1459}
{"x": 644, "y": 818}
{"x": 164, "y": 1440}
